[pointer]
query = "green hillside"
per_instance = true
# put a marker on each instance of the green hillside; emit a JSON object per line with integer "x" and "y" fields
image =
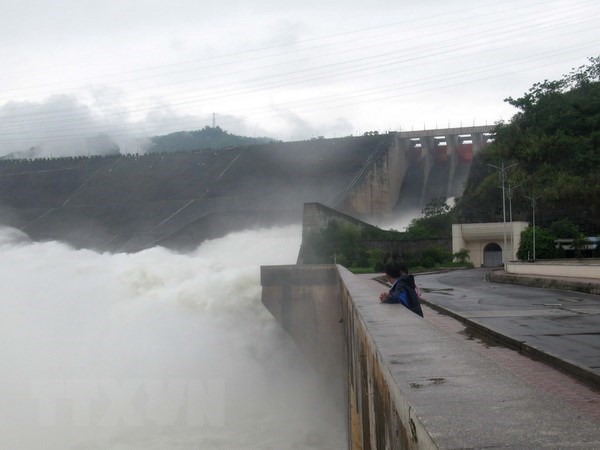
{"x": 555, "y": 140}
{"x": 206, "y": 138}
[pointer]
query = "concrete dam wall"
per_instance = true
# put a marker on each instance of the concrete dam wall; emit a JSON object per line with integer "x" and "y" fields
{"x": 130, "y": 202}
{"x": 404, "y": 382}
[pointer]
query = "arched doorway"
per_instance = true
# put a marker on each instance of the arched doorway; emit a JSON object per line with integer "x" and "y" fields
{"x": 492, "y": 255}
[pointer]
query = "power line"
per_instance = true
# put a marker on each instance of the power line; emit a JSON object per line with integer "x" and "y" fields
{"x": 331, "y": 71}
{"x": 427, "y": 18}
{"x": 194, "y": 121}
{"x": 387, "y": 97}
{"x": 493, "y": 32}
{"x": 326, "y": 69}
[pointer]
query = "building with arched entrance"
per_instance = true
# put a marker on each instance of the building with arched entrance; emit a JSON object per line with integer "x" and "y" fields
{"x": 485, "y": 241}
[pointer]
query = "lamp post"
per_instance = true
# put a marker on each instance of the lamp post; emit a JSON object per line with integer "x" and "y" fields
{"x": 509, "y": 193}
{"x": 503, "y": 169}
{"x": 533, "y": 200}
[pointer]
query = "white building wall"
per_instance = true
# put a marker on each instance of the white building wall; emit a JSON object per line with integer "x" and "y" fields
{"x": 475, "y": 236}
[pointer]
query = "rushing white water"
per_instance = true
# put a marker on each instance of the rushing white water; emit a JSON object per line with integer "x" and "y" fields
{"x": 401, "y": 221}
{"x": 152, "y": 350}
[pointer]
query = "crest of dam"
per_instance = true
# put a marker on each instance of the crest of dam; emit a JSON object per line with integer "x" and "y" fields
{"x": 126, "y": 203}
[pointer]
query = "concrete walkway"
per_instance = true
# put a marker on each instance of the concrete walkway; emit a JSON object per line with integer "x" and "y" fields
{"x": 559, "y": 327}
{"x": 493, "y": 395}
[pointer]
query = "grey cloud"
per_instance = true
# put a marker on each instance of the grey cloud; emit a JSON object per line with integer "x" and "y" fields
{"x": 65, "y": 126}
{"x": 59, "y": 126}
{"x": 53, "y": 127}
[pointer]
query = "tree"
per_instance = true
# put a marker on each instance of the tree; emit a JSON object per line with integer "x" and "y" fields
{"x": 545, "y": 247}
{"x": 436, "y": 207}
{"x": 462, "y": 256}
{"x": 436, "y": 223}
{"x": 337, "y": 242}
{"x": 555, "y": 139}
{"x": 564, "y": 229}
{"x": 206, "y": 138}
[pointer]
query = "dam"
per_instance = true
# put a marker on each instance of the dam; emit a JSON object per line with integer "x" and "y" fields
{"x": 404, "y": 383}
{"x": 126, "y": 203}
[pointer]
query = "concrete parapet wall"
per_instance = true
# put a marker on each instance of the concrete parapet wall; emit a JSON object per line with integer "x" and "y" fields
{"x": 589, "y": 269}
{"x": 408, "y": 383}
{"x": 380, "y": 416}
{"x": 314, "y": 306}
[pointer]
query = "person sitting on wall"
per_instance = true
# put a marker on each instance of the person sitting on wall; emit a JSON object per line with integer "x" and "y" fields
{"x": 403, "y": 288}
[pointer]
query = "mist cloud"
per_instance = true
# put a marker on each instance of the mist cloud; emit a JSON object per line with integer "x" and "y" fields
{"x": 115, "y": 334}
{"x": 60, "y": 126}
{"x": 65, "y": 125}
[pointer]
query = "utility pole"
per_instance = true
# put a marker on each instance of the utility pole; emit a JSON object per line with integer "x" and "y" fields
{"x": 533, "y": 200}
{"x": 214, "y": 121}
{"x": 509, "y": 193}
{"x": 502, "y": 169}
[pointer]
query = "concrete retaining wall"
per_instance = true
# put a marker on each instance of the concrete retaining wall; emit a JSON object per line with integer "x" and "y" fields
{"x": 316, "y": 216}
{"x": 557, "y": 268}
{"x": 412, "y": 246}
{"x": 305, "y": 301}
{"x": 587, "y": 287}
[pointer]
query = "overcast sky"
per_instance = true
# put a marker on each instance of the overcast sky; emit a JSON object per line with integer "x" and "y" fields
{"x": 72, "y": 69}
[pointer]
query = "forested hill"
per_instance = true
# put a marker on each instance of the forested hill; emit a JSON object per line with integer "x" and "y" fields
{"x": 206, "y": 138}
{"x": 555, "y": 141}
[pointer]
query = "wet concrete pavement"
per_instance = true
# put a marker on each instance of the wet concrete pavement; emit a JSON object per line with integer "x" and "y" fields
{"x": 494, "y": 396}
{"x": 560, "y": 327}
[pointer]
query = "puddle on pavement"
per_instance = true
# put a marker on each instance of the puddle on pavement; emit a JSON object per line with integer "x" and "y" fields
{"x": 571, "y": 299}
{"x": 445, "y": 291}
{"x": 431, "y": 381}
{"x": 474, "y": 335}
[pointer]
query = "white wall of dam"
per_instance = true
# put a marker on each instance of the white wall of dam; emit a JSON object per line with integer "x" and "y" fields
{"x": 379, "y": 190}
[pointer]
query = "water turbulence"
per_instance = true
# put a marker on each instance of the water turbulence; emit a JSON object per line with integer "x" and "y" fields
{"x": 153, "y": 350}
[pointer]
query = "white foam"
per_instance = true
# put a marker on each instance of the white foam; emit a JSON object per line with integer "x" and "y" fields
{"x": 123, "y": 328}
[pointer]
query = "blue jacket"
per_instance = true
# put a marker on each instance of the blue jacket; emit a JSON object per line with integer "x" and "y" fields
{"x": 403, "y": 291}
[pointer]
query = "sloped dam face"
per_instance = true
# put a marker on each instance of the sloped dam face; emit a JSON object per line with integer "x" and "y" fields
{"x": 130, "y": 202}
